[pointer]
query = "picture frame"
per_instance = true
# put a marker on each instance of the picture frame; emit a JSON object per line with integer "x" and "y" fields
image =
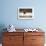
{"x": 25, "y": 13}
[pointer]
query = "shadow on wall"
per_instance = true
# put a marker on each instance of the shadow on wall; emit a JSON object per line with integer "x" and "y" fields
{"x": 2, "y": 26}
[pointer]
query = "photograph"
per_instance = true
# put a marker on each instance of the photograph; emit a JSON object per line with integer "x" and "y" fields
{"x": 25, "y": 13}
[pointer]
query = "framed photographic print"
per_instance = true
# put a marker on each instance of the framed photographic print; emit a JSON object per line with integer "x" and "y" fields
{"x": 25, "y": 13}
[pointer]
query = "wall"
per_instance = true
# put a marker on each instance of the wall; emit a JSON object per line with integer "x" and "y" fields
{"x": 8, "y": 13}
